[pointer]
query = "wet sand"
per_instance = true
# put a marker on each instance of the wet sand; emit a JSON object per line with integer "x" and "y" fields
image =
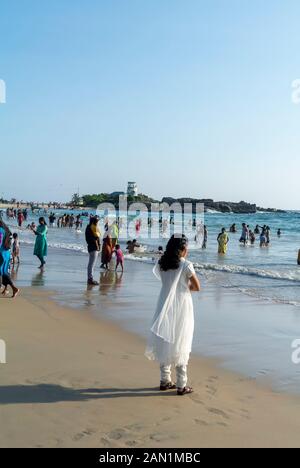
{"x": 247, "y": 335}
{"x": 74, "y": 380}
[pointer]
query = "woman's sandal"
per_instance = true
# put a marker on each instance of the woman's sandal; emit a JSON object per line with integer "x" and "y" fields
{"x": 184, "y": 390}
{"x": 167, "y": 386}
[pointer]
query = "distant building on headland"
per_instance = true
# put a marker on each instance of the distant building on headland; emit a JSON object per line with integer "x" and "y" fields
{"x": 132, "y": 189}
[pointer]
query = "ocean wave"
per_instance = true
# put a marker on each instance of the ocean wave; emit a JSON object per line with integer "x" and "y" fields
{"x": 151, "y": 257}
{"x": 59, "y": 245}
{"x": 141, "y": 259}
{"x": 241, "y": 270}
{"x": 262, "y": 295}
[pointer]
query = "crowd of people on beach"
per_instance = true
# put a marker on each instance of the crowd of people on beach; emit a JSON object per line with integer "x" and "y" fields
{"x": 172, "y": 327}
{"x": 107, "y": 246}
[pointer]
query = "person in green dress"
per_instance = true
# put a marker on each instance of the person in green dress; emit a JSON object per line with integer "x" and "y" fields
{"x": 41, "y": 246}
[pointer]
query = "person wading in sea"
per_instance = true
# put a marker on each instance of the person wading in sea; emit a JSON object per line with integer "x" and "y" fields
{"x": 5, "y": 258}
{"x": 92, "y": 237}
{"x": 41, "y": 245}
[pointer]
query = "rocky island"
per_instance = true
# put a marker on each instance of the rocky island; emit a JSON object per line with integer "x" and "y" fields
{"x": 241, "y": 207}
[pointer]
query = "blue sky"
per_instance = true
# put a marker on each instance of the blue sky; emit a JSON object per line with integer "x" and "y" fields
{"x": 188, "y": 98}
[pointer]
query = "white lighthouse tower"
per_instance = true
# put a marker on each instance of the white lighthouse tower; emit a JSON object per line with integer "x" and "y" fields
{"x": 132, "y": 189}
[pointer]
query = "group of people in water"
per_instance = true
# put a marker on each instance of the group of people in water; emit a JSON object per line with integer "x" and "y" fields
{"x": 248, "y": 236}
{"x": 20, "y": 214}
{"x": 66, "y": 221}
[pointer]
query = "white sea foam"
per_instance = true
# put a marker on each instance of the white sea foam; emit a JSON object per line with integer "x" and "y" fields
{"x": 290, "y": 275}
{"x": 140, "y": 259}
{"x": 261, "y": 273}
{"x": 256, "y": 294}
{"x": 59, "y": 245}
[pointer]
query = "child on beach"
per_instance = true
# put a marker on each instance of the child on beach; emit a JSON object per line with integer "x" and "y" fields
{"x": 119, "y": 257}
{"x": 172, "y": 330}
{"x": 15, "y": 249}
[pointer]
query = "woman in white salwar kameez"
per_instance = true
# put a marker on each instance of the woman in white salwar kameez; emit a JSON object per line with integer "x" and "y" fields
{"x": 170, "y": 341}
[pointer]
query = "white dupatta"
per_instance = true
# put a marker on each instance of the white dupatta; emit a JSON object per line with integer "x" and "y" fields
{"x": 165, "y": 320}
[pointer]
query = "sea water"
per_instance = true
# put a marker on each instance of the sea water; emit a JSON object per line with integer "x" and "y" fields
{"x": 270, "y": 273}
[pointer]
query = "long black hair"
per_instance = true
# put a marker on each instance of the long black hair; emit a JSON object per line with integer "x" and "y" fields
{"x": 42, "y": 221}
{"x": 170, "y": 260}
{"x": 94, "y": 220}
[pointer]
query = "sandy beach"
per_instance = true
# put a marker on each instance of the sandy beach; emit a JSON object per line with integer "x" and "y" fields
{"x": 72, "y": 380}
{"x": 133, "y": 178}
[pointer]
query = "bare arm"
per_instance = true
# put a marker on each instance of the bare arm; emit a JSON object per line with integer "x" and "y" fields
{"x": 194, "y": 283}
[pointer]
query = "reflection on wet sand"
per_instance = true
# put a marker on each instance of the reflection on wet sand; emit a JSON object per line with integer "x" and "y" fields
{"x": 38, "y": 279}
{"x": 14, "y": 272}
{"x": 109, "y": 280}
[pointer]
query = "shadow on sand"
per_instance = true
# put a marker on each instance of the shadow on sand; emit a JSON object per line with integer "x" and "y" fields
{"x": 50, "y": 393}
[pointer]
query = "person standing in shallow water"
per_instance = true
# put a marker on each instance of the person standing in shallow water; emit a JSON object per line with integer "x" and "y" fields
{"x": 92, "y": 237}
{"x": 170, "y": 340}
{"x": 107, "y": 251}
{"x": 223, "y": 240}
{"x": 41, "y": 246}
{"x": 5, "y": 258}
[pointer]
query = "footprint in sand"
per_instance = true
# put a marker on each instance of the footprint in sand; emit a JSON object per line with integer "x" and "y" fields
{"x": 197, "y": 400}
{"x": 117, "y": 434}
{"x": 213, "y": 378}
{"x": 122, "y": 437}
{"x": 201, "y": 422}
{"x": 161, "y": 437}
{"x": 211, "y": 390}
{"x": 166, "y": 419}
{"x": 104, "y": 442}
{"x": 131, "y": 443}
{"x": 135, "y": 427}
{"x": 245, "y": 413}
{"x": 81, "y": 435}
{"x": 222, "y": 424}
{"x": 218, "y": 412}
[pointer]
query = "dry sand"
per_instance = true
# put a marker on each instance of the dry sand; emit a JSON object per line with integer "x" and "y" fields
{"x": 75, "y": 381}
